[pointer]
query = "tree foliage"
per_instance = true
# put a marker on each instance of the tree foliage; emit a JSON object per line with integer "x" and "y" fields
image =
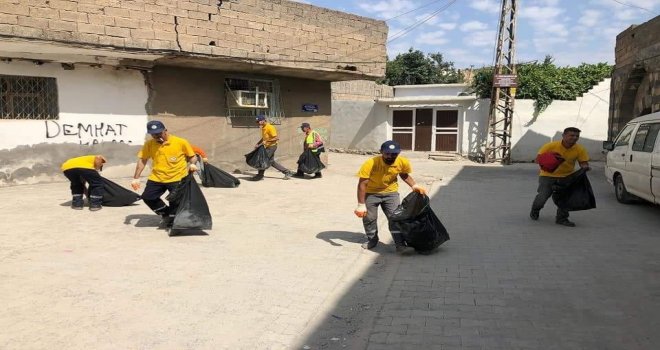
{"x": 414, "y": 68}
{"x": 545, "y": 82}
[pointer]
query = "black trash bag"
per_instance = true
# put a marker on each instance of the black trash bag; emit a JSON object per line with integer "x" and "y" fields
{"x": 258, "y": 158}
{"x": 114, "y": 195}
{"x": 420, "y": 227}
{"x": 574, "y": 192}
{"x": 216, "y": 177}
{"x": 310, "y": 163}
{"x": 193, "y": 211}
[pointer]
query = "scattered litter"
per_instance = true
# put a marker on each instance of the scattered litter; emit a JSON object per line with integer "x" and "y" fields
{"x": 334, "y": 339}
{"x": 306, "y": 347}
{"x": 337, "y": 317}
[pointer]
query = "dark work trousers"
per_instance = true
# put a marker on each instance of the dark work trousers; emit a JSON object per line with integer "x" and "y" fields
{"x": 78, "y": 177}
{"x": 270, "y": 151}
{"x": 152, "y": 193}
{"x": 544, "y": 192}
{"x": 318, "y": 156}
{"x": 389, "y": 202}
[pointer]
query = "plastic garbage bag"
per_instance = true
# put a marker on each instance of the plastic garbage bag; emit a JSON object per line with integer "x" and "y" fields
{"x": 574, "y": 192}
{"x": 420, "y": 227}
{"x": 114, "y": 195}
{"x": 193, "y": 211}
{"x": 310, "y": 163}
{"x": 258, "y": 158}
{"x": 215, "y": 177}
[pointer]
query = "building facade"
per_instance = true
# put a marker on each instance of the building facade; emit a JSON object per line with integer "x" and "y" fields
{"x": 80, "y": 77}
{"x": 635, "y": 87}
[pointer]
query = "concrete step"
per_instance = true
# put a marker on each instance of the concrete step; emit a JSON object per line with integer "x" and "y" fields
{"x": 444, "y": 156}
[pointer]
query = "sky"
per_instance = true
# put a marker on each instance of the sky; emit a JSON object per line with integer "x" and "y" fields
{"x": 465, "y": 31}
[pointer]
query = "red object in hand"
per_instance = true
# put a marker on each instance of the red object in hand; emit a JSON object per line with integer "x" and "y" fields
{"x": 549, "y": 161}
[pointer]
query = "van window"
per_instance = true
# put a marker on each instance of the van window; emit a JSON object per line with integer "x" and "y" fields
{"x": 640, "y": 137}
{"x": 651, "y": 137}
{"x": 624, "y": 136}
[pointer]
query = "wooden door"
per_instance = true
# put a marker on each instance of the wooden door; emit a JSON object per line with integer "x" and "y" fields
{"x": 402, "y": 128}
{"x": 446, "y": 130}
{"x": 423, "y": 129}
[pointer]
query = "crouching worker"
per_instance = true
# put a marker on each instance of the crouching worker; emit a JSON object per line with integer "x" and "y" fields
{"x": 172, "y": 158}
{"x": 85, "y": 169}
{"x": 378, "y": 186}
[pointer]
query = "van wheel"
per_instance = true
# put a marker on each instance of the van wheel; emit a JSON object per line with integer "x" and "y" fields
{"x": 622, "y": 194}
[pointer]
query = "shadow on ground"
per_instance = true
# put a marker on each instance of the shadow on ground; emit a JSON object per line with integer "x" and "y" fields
{"x": 504, "y": 281}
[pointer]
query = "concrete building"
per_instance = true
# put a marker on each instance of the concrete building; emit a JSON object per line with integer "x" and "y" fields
{"x": 636, "y": 79}
{"x": 448, "y": 118}
{"x": 81, "y": 77}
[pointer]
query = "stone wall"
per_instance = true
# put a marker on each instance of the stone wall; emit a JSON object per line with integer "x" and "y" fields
{"x": 273, "y": 32}
{"x": 635, "y": 89}
{"x": 360, "y": 90}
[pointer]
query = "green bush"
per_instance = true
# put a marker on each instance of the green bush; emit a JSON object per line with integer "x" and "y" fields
{"x": 545, "y": 82}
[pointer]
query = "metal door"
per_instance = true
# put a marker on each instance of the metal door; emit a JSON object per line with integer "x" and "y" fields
{"x": 402, "y": 128}
{"x": 446, "y": 130}
{"x": 423, "y": 129}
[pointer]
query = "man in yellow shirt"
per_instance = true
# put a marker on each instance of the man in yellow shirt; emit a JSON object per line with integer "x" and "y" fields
{"x": 172, "y": 159}
{"x": 571, "y": 152}
{"x": 378, "y": 186}
{"x": 269, "y": 140}
{"x": 85, "y": 169}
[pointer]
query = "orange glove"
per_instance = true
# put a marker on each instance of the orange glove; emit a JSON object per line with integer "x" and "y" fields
{"x": 419, "y": 189}
{"x": 361, "y": 210}
{"x": 135, "y": 184}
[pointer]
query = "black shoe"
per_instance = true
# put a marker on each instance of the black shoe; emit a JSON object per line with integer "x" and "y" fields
{"x": 167, "y": 220}
{"x": 298, "y": 175}
{"x": 95, "y": 207}
{"x": 404, "y": 250}
{"x": 370, "y": 244}
{"x": 256, "y": 178}
{"x": 565, "y": 222}
{"x": 77, "y": 206}
{"x": 317, "y": 176}
{"x": 534, "y": 214}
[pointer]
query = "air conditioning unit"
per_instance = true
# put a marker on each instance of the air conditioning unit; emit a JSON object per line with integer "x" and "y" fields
{"x": 247, "y": 99}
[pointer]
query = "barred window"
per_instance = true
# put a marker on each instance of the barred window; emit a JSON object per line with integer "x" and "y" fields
{"x": 23, "y": 97}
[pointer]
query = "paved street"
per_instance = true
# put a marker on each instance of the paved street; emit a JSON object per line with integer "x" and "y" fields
{"x": 282, "y": 269}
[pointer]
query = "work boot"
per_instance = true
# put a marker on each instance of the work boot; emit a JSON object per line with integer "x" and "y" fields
{"x": 404, "y": 250}
{"x": 534, "y": 214}
{"x": 95, "y": 207}
{"x": 370, "y": 244}
{"x": 256, "y": 178}
{"x": 299, "y": 175}
{"x": 317, "y": 176}
{"x": 565, "y": 222}
{"x": 77, "y": 202}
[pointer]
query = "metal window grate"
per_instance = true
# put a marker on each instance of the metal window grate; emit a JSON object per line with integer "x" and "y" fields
{"x": 23, "y": 97}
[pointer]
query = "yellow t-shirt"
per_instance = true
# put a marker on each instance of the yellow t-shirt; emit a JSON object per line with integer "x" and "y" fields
{"x": 84, "y": 162}
{"x": 571, "y": 155}
{"x": 383, "y": 177}
{"x": 169, "y": 160}
{"x": 268, "y": 132}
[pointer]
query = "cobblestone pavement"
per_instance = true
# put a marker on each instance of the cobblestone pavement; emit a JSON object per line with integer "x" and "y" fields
{"x": 506, "y": 282}
{"x": 282, "y": 269}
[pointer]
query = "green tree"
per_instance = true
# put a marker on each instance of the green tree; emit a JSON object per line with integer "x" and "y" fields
{"x": 545, "y": 82}
{"x": 414, "y": 68}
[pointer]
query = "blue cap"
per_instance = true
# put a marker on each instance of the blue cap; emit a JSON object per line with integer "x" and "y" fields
{"x": 261, "y": 117}
{"x": 390, "y": 147}
{"x": 155, "y": 127}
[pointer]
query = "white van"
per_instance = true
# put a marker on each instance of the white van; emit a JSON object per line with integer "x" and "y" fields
{"x": 633, "y": 160}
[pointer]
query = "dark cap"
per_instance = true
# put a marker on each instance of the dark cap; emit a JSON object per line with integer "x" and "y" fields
{"x": 261, "y": 117}
{"x": 155, "y": 127}
{"x": 305, "y": 125}
{"x": 390, "y": 147}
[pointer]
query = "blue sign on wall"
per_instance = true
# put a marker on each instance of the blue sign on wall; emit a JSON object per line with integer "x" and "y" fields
{"x": 308, "y": 107}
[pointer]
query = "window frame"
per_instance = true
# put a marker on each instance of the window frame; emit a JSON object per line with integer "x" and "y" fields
{"x": 18, "y": 101}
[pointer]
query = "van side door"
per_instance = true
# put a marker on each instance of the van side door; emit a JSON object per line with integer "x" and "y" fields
{"x": 616, "y": 158}
{"x": 655, "y": 171}
{"x": 638, "y": 161}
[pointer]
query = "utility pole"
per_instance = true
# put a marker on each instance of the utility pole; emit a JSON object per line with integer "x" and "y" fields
{"x": 502, "y": 98}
